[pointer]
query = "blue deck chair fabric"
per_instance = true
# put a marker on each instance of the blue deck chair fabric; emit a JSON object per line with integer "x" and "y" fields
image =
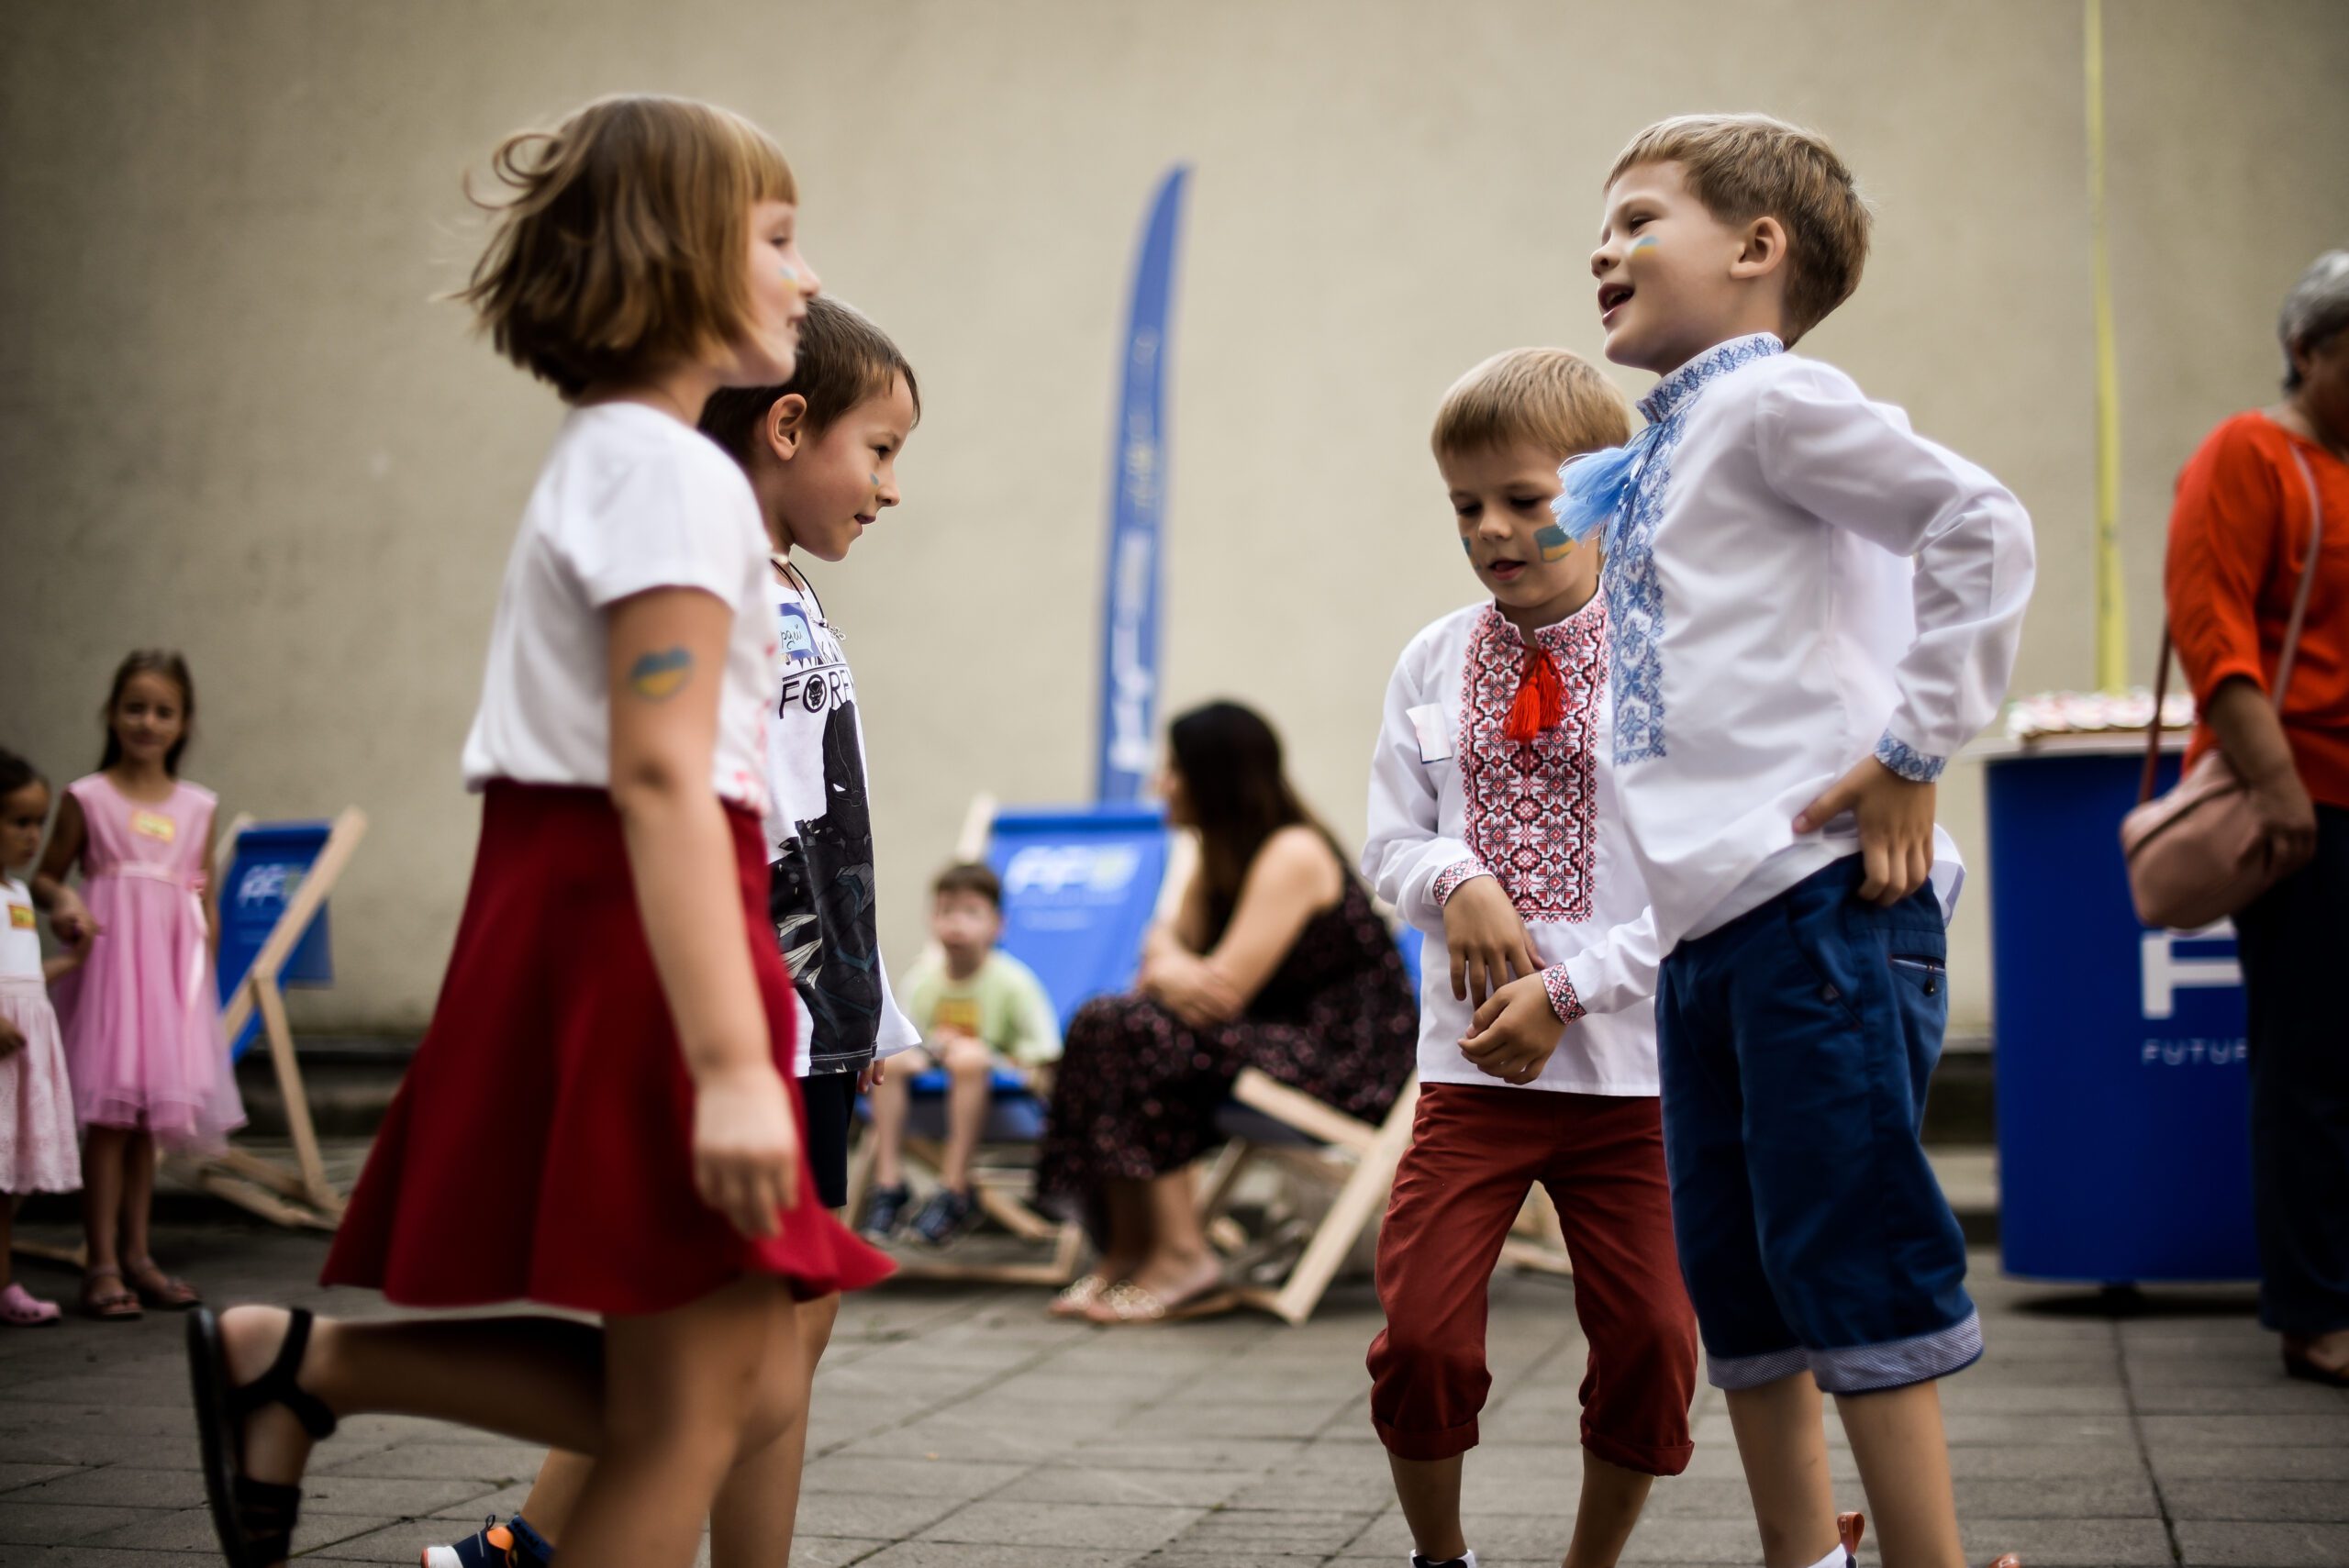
{"x": 269, "y": 862}
{"x": 1080, "y": 884}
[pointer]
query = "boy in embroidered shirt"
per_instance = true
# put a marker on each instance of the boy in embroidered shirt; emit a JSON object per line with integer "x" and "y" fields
{"x": 1811, "y": 608}
{"x": 1494, "y": 826}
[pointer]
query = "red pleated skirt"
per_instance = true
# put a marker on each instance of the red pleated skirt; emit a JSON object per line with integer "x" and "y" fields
{"x": 539, "y": 1146}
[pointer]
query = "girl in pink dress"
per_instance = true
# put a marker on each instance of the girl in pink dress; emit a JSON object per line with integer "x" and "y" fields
{"x": 141, "y": 1020}
{"x": 36, "y": 1153}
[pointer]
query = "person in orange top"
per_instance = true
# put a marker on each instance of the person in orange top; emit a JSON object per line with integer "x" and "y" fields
{"x": 2239, "y": 541}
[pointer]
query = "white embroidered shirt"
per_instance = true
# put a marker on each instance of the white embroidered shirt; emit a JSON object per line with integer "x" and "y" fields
{"x": 1452, "y": 797}
{"x": 1799, "y": 582}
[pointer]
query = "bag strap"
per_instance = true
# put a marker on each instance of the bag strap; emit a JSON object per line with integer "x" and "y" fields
{"x": 2308, "y": 579}
{"x": 2291, "y": 634}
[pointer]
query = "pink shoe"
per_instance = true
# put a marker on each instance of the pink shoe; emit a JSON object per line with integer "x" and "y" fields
{"x": 19, "y": 1308}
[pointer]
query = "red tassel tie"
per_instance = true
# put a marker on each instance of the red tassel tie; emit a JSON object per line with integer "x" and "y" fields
{"x": 1541, "y": 700}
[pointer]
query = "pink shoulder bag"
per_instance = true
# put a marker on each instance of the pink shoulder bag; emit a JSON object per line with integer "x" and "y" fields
{"x": 2190, "y": 852}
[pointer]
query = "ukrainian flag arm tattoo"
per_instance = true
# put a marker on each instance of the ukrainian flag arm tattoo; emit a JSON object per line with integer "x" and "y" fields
{"x": 657, "y": 677}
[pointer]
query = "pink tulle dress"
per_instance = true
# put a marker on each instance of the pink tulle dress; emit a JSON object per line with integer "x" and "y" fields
{"x": 142, "y": 1018}
{"x": 38, "y": 1151}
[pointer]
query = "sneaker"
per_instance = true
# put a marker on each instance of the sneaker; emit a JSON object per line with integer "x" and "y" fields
{"x": 1417, "y": 1560}
{"x": 885, "y": 1211}
{"x": 946, "y": 1218}
{"x": 509, "y": 1545}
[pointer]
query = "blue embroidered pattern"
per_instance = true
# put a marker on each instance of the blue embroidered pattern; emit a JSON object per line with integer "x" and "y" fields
{"x": 1908, "y": 761}
{"x": 1634, "y": 589}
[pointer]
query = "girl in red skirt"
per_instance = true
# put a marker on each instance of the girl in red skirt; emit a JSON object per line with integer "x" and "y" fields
{"x": 600, "y": 1118}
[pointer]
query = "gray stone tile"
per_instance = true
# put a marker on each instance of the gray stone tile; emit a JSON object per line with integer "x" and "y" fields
{"x": 830, "y": 1552}
{"x": 399, "y": 1541}
{"x": 2070, "y": 1543}
{"x": 52, "y": 1524}
{"x": 957, "y": 1479}
{"x": 2275, "y": 1545}
{"x": 2328, "y": 1430}
{"x": 885, "y": 1515}
{"x": 14, "y": 1476}
{"x": 495, "y": 1464}
{"x": 2193, "y": 1461}
{"x": 108, "y": 1557}
{"x": 956, "y": 1554}
{"x": 2294, "y": 1502}
{"x": 2253, "y": 1395}
{"x": 1161, "y": 1487}
{"x": 1365, "y": 1488}
{"x": 117, "y": 1485}
{"x": 1292, "y": 1532}
{"x": 190, "y": 1529}
{"x": 1135, "y": 1527}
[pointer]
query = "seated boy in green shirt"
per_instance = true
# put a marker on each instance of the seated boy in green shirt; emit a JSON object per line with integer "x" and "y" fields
{"x": 978, "y": 1010}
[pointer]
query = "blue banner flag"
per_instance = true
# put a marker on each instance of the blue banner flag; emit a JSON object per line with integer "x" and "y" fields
{"x": 1137, "y": 507}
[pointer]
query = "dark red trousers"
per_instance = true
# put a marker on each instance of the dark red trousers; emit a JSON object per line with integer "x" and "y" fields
{"x": 1475, "y": 1154}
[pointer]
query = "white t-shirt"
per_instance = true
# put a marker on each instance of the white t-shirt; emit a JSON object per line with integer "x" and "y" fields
{"x": 630, "y": 500}
{"x": 1452, "y": 798}
{"x": 20, "y": 936}
{"x": 819, "y": 842}
{"x": 1801, "y": 582}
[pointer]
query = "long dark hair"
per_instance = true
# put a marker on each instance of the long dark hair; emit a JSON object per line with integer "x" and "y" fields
{"x": 166, "y": 662}
{"x": 1230, "y": 763}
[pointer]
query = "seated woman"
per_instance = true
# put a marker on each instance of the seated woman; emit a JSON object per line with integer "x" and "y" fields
{"x": 1275, "y": 959}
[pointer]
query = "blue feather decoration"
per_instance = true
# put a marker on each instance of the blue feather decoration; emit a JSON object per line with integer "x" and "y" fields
{"x": 1596, "y": 490}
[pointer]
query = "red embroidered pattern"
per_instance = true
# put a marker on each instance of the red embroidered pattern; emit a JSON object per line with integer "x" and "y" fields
{"x": 1447, "y": 880}
{"x": 1563, "y": 1000}
{"x": 1532, "y": 807}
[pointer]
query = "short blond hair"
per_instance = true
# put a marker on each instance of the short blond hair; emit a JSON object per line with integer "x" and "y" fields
{"x": 1748, "y": 166}
{"x": 624, "y": 244}
{"x": 1546, "y": 398}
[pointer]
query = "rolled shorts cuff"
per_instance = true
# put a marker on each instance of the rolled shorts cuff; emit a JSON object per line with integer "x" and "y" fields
{"x": 1736, "y": 1373}
{"x": 1648, "y": 1459}
{"x": 1870, "y": 1369}
{"x": 1448, "y": 1443}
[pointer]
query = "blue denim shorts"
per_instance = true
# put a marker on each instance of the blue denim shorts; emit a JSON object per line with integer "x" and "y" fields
{"x": 1796, "y": 1042}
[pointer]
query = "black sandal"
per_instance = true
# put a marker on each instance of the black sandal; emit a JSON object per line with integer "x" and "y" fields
{"x": 254, "y": 1519}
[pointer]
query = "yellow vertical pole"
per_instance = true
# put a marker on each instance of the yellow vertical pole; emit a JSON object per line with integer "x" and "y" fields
{"x": 2111, "y": 606}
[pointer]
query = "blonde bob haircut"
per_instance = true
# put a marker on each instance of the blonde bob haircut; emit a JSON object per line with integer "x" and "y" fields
{"x": 1748, "y": 166}
{"x": 1551, "y": 400}
{"x": 623, "y": 242}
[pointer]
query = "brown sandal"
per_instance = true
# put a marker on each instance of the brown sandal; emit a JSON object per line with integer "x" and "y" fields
{"x": 1127, "y": 1302}
{"x": 1078, "y": 1298}
{"x": 158, "y": 1289}
{"x": 119, "y": 1304}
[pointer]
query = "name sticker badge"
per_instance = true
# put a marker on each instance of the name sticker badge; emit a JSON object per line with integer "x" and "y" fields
{"x": 1433, "y": 725}
{"x": 155, "y": 825}
{"x": 20, "y": 917}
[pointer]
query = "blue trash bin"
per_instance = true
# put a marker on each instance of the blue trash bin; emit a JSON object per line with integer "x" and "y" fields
{"x": 2123, "y": 1135}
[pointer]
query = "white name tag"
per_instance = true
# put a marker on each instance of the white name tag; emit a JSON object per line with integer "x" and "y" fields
{"x": 1433, "y": 725}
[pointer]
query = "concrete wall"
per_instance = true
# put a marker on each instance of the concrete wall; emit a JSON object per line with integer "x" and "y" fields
{"x": 234, "y": 421}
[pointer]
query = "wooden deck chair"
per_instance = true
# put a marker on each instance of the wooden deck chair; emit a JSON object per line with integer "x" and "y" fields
{"x": 1079, "y": 887}
{"x": 1267, "y": 1120}
{"x": 271, "y": 882}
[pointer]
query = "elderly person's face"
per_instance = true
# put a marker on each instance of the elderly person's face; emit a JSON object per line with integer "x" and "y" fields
{"x": 2314, "y": 330}
{"x": 2323, "y": 395}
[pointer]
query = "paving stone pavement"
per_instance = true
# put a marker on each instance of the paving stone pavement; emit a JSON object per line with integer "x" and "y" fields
{"x": 957, "y": 1428}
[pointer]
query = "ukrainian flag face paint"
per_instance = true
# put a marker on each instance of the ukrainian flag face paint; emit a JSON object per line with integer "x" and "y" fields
{"x": 1553, "y": 543}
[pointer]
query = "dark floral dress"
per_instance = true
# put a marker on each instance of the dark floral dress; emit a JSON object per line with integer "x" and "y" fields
{"x": 1137, "y": 1092}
